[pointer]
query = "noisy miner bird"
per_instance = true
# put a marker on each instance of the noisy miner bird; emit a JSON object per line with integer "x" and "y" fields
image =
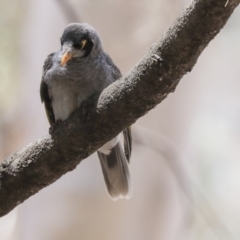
{"x": 78, "y": 70}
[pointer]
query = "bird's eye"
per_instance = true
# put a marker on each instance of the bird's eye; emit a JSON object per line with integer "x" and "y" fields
{"x": 83, "y": 44}
{"x": 80, "y": 45}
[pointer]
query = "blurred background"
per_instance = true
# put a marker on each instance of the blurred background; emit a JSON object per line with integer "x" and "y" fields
{"x": 186, "y": 157}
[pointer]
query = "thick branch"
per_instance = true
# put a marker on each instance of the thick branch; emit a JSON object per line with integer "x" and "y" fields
{"x": 158, "y": 73}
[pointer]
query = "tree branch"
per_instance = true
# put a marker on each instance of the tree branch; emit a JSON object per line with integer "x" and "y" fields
{"x": 150, "y": 81}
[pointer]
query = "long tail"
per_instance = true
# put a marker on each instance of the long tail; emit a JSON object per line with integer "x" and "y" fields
{"x": 116, "y": 173}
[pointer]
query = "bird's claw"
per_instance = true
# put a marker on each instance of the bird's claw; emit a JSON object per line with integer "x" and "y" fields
{"x": 54, "y": 126}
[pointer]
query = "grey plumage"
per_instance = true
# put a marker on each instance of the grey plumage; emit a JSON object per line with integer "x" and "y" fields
{"x": 115, "y": 171}
{"x": 80, "y": 69}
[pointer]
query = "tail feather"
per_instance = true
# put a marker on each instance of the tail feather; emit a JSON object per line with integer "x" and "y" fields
{"x": 116, "y": 173}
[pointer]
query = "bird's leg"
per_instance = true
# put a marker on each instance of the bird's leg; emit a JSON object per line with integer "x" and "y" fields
{"x": 54, "y": 126}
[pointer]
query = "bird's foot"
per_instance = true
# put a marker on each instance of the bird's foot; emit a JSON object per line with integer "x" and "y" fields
{"x": 87, "y": 107}
{"x": 54, "y": 126}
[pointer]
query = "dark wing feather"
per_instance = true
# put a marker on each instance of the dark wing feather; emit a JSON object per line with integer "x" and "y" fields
{"x": 116, "y": 74}
{"x": 44, "y": 94}
{"x": 127, "y": 134}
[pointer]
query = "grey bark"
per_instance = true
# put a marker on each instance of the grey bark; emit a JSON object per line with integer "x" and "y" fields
{"x": 41, "y": 163}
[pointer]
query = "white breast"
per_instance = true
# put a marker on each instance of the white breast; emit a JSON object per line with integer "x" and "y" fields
{"x": 64, "y": 102}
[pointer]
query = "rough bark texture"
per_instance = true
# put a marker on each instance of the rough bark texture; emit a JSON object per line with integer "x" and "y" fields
{"x": 150, "y": 81}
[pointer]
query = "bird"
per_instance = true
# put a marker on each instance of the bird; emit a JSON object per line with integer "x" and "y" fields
{"x": 80, "y": 69}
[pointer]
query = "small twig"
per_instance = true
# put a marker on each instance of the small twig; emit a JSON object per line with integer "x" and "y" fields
{"x": 68, "y": 11}
{"x": 171, "y": 156}
{"x": 226, "y": 3}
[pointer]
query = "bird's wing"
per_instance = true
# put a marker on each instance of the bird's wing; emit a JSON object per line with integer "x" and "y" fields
{"x": 44, "y": 94}
{"x": 116, "y": 74}
{"x": 127, "y": 135}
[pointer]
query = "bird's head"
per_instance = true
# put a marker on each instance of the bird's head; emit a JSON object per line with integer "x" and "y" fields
{"x": 79, "y": 40}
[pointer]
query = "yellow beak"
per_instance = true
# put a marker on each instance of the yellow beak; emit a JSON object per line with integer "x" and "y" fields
{"x": 65, "y": 58}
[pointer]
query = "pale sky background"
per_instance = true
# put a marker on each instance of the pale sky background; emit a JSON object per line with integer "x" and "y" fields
{"x": 186, "y": 156}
